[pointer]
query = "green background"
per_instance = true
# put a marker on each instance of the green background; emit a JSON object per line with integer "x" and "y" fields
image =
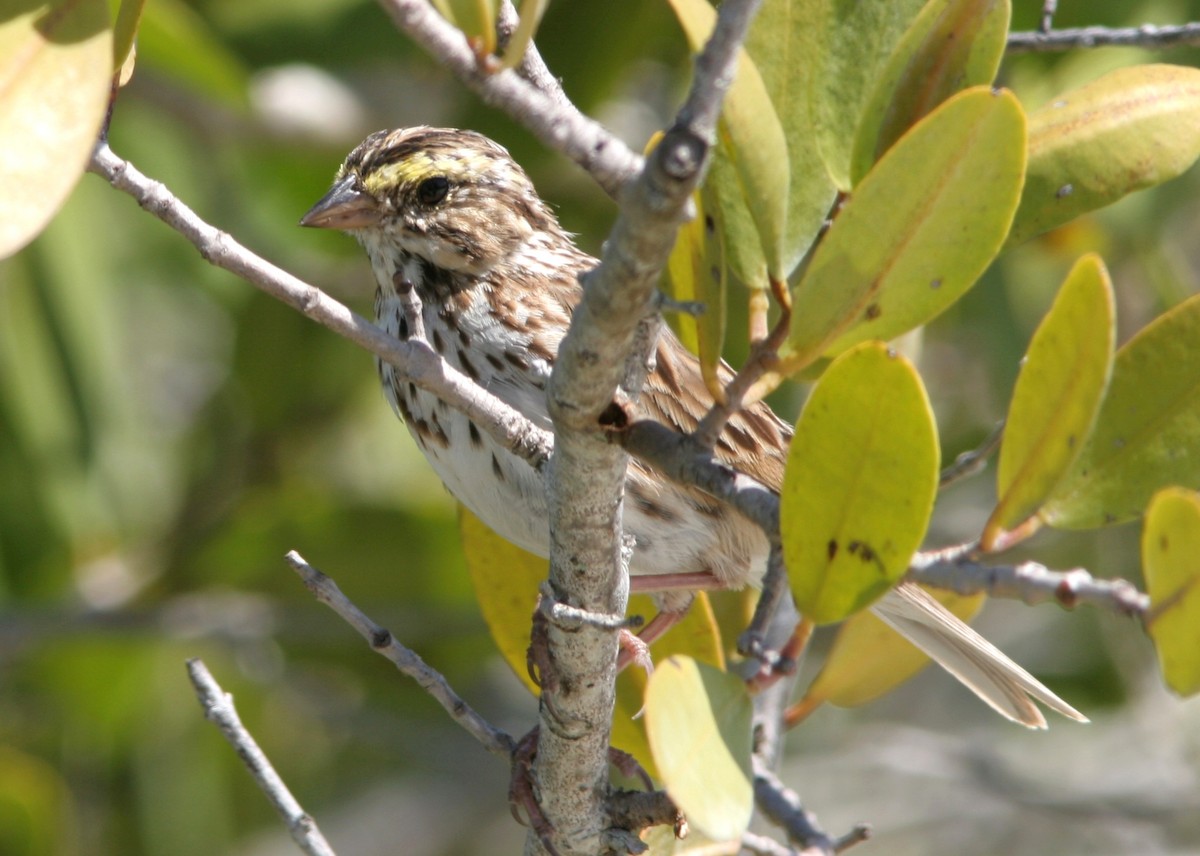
{"x": 167, "y": 433}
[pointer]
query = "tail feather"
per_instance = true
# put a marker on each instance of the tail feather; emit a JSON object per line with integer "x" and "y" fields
{"x": 981, "y": 666}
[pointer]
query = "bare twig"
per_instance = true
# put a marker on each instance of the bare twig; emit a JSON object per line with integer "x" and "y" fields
{"x": 556, "y": 122}
{"x": 219, "y": 709}
{"x": 407, "y": 661}
{"x": 1028, "y": 581}
{"x": 1049, "y": 9}
{"x": 1145, "y": 36}
{"x": 531, "y": 67}
{"x": 416, "y": 360}
{"x": 972, "y": 461}
{"x": 783, "y": 807}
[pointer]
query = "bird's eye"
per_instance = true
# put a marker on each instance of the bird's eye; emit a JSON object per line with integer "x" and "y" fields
{"x": 431, "y": 191}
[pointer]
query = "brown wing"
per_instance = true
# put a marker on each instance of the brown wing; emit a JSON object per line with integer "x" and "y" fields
{"x": 755, "y": 440}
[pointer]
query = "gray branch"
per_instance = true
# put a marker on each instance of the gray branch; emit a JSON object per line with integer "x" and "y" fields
{"x": 406, "y": 660}
{"x": 555, "y": 121}
{"x": 1030, "y": 582}
{"x": 219, "y": 710}
{"x": 586, "y": 477}
{"x": 416, "y": 360}
{"x": 1145, "y": 36}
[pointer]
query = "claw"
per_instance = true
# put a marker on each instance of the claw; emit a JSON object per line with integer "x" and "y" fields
{"x": 521, "y": 795}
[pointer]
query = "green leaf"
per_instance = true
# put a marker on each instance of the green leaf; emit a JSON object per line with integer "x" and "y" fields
{"x": 754, "y": 139}
{"x": 476, "y": 19}
{"x": 953, "y": 44}
{"x": 56, "y": 64}
{"x": 531, "y": 13}
{"x": 1147, "y": 435}
{"x": 699, "y": 719}
{"x": 1170, "y": 545}
{"x": 847, "y": 46}
{"x": 696, "y": 271}
{"x": 869, "y": 658}
{"x": 777, "y": 42}
{"x": 743, "y": 247}
{"x": 860, "y": 482}
{"x": 1132, "y": 128}
{"x": 129, "y": 16}
{"x": 1057, "y": 397}
{"x": 919, "y": 230}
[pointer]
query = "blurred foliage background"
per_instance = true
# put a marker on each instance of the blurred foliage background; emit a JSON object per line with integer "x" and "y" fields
{"x": 167, "y": 433}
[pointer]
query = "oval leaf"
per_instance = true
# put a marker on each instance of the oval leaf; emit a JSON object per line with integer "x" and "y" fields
{"x": 847, "y": 46}
{"x": 953, "y": 44}
{"x": 860, "y": 482}
{"x": 1057, "y": 397}
{"x": 1128, "y": 130}
{"x": 753, "y": 138}
{"x": 56, "y": 64}
{"x": 919, "y": 230}
{"x": 1147, "y": 435}
{"x": 1170, "y": 545}
{"x": 699, "y": 723}
{"x": 777, "y": 41}
{"x": 869, "y": 658}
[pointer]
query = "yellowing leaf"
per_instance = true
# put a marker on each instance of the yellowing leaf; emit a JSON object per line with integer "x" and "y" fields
{"x": 953, "y": 44}
{"x": 1171, "y": 562}
{"x": 506, "y": 581}
{"x": 755, "y": 141}
{"x": 698, "y": 719}
{"x": 1128, "y": 130}
{"x": 1147, "y": 435}
{"x": 1057, "y": 397}
{"x": 919, "y": 230}
{"x": 55, "y": 71}
{"x": 869, "y": 658}
{"x": 860, "y": 482}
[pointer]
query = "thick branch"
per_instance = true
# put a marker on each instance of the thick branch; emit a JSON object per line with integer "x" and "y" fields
{"x": 1145, "y": 36}
{"x": 416, "y": 360}
{"x": 219, "y": 709}
{"x": 407, "y": 661}
{"x": 556, "y": 122}
{"x": 607, "y": 346}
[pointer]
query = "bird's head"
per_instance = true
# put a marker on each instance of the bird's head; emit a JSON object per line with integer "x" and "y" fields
{"x": 451, "y": 197}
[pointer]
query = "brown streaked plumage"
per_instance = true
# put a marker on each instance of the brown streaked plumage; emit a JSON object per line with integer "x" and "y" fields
{"x": 467, "y": 254}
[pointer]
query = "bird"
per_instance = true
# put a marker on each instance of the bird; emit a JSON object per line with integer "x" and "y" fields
{"x": 468, "y": 256}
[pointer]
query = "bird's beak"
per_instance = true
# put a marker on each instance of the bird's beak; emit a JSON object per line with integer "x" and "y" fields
{"x": 343, "y": 207}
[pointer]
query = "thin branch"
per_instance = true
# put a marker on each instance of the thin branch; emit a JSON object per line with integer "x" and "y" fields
{"x": 416, "y": 360}
{"x": 1145, "y": 36}
{"x": 531, "y": 67}
{"x": 1030, "y": 582}
{"x": 556, "y": 122}
{"x": 219, "y": 709}
{"x": 782, "y": 807}
{"x": 407, "y": 661}
{"x": 678, "y": 457}
{"x": 972, "y": 461}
